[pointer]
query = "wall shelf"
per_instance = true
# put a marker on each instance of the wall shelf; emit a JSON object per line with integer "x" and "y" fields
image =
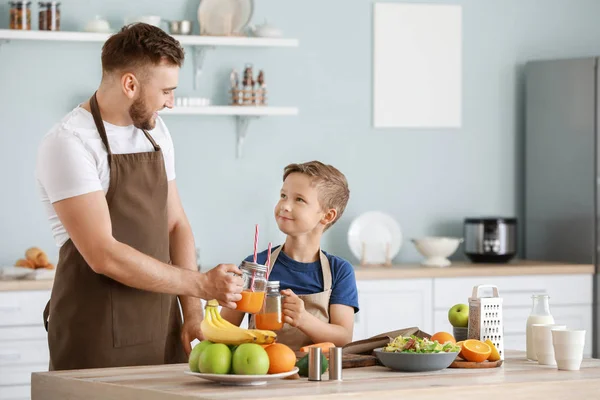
{"x": 201, "y": 45}
{"x": 185, "y": 40}
{"x": 242, "y": 114}
{"x": 258, "y": 111}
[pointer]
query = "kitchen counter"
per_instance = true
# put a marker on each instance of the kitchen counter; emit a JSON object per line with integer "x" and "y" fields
{"x": 458, "y": 269}
{"x": 25, "y": 284}
{"x": 403, "y": 271}
{"x": 517, "y": 379}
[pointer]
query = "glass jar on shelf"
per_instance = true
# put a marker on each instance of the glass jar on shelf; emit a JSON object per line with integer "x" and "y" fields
{"x": 20, "y": 15}
{"x": 49, "y": 16}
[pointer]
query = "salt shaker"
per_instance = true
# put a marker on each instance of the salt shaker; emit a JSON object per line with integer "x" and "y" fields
{"x": 335, "y": 364}
{"x": 314, "y": 364}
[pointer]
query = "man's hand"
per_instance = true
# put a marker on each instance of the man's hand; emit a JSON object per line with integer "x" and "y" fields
{"x": 293, "y": 309}
{"x": 221, "y": 284}
{"x": 190, "y": 331}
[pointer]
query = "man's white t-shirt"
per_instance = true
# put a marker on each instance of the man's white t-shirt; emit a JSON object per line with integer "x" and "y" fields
{"x": 72, "y": 159}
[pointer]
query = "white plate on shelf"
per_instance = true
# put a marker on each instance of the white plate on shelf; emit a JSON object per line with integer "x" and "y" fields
{"x": 12, "y": 272}
{"x": 242, "y": 380}
{"x": 372, "y": 232}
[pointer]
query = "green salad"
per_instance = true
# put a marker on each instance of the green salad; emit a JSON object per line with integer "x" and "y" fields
{"x": 413, "y": 344}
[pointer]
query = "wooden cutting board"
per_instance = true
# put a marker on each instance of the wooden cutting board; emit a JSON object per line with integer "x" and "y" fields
{"x": 469, "y": 364}
{"x": 350, "y": 360}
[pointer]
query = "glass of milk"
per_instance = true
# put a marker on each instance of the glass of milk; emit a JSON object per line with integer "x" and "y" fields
{"x": 540, "y": 314}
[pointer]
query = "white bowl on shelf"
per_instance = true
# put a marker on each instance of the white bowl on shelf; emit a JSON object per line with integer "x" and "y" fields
{"x": 437, "y": 249}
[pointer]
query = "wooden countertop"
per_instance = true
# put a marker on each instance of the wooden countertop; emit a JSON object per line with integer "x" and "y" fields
{"x": 516, "y": 379}
{"x": 514, "y": 268}
{"x": 402, "y": 271}
{"x": 25, "y": 284}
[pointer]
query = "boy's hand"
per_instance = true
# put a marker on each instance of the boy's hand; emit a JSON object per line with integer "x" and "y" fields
{"x": 292, "y": 308}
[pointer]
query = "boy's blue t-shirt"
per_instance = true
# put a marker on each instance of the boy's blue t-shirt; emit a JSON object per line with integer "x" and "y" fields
{"x": 307, "y": 278}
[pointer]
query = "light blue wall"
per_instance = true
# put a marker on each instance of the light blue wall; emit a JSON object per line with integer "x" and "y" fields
{"x": 429, "y": 180}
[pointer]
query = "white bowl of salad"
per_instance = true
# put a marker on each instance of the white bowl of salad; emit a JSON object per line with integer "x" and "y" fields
{"x": 414, "y": 354}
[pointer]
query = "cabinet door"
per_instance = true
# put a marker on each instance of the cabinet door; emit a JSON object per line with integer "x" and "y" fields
{"x": 20, "y": 308}
{"x": 516, "y": 290}
{"x": 20, "y": 392}
{"x": 19, "y": 374}
{"x": 393, "y": 304}
{"x": 360, "y": 330}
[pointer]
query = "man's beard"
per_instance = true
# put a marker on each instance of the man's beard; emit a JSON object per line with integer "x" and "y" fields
{"x": 141, "y": 117}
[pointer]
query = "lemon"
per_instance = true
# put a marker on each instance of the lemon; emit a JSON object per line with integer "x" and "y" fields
{"x": 494, "y": 355}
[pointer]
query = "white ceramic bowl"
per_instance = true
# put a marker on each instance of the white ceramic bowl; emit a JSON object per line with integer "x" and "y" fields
{"x": 437, "y": 249}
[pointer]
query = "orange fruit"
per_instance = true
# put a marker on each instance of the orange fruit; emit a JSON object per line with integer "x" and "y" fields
{"x": 443, "y": 338}
{"x": 460, "y": 352}
{"x": 264, "y": 346}
{"x": 281, "y": 358}
{"x": 494, "y": 355}
{"x": 475, "y": 350}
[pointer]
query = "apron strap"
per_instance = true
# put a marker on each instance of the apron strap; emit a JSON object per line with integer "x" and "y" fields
{"x": 102, "y": 131}
{"x": 99, "y": 123}
{"x": 151, "y": 139}
{"x": 325, "y": 267}
{"x": 46, "y": 314}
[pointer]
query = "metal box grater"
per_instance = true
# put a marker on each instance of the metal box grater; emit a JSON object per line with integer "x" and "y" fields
{"x": 485, "y": 317}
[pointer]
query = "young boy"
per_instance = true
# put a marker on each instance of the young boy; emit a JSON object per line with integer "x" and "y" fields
{"x": 319, "y": 288}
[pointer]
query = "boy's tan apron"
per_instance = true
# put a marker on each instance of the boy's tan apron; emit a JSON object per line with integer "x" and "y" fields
{"x": 316, "y": 304}
{"x": 96, "y": 322}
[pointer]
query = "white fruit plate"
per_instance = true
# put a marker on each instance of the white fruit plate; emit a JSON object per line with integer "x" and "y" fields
{"x": 242, "y": 380}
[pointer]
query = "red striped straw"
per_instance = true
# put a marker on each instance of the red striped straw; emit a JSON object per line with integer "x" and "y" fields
{"x": 255, "y": 241}
{"x": 255, "y": 248}
{"x": 268, "y": 264}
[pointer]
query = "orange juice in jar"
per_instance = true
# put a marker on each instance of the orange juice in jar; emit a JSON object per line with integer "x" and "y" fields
{"x": 255, "y": 283}
{"x": 270, "y": 316}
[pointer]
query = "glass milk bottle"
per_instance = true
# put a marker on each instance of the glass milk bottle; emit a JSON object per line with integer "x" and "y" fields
{"x": 540, "y": 314}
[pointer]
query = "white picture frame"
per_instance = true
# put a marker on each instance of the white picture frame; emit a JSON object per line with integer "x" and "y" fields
{"x": 417, "y": 65}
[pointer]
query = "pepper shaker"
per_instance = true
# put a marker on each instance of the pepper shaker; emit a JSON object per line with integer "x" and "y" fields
{"x": 335, "y": 364}
{"x": 314, "y": 364}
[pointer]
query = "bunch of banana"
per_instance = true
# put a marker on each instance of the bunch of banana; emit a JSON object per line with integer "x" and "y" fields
{"x": 219, "y": 330}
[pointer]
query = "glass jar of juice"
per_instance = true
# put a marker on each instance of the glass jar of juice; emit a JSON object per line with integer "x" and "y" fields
{"x": 255, "y": 285}
{"x": 270, "y": 317}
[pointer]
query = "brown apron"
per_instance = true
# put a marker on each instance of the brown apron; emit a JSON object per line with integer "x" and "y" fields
{"x": 96, "y": 322}
{"x": 316, "y": 304}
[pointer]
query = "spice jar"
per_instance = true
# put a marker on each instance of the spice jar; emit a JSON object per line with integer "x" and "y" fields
{"x": 255, "y": 284}
{"x": 49, "y": 16}
{"x": 270, "y": 317}
{"x": 20, "y": 15}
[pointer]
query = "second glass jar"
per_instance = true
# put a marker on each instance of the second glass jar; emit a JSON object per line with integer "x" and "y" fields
{"x": 270, "y": 316}
{"x": 49, "y": 16}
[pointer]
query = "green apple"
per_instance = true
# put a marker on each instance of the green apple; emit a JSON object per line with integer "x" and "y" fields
{"x": 458, "y": 316}
{"x": 195, "y": 355}
{"x": 250, "y": 359}
{"x": 215, "y": 359}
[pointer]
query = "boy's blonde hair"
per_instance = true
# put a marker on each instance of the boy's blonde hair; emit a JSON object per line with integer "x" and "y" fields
{"x": 330, "y": 182}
